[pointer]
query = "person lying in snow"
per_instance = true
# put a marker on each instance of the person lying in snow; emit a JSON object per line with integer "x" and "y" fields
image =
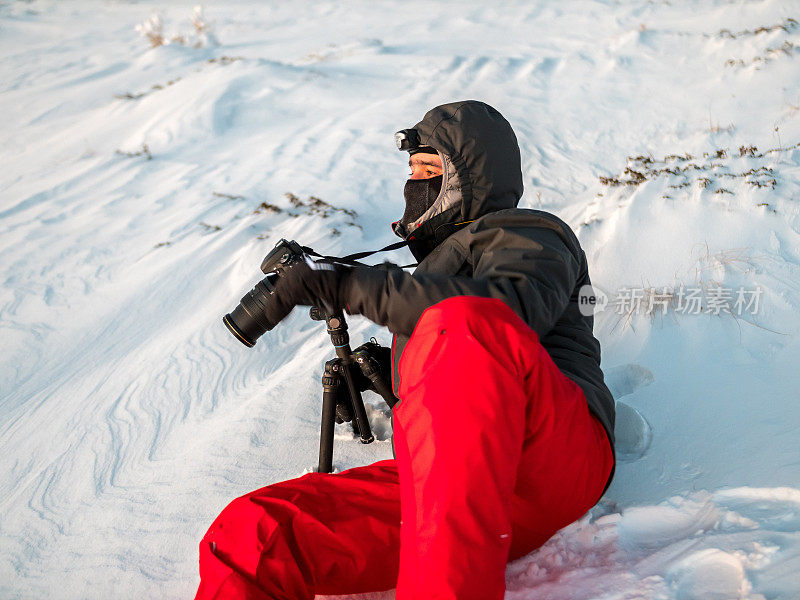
{"x": 504, "y": 429}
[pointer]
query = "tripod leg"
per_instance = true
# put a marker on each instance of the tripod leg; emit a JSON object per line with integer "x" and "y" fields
{"x": 359, "y": 411}
{"x": 330, "y": 383}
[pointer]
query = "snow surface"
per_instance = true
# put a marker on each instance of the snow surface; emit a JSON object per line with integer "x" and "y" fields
{"x": 131, "y": 220}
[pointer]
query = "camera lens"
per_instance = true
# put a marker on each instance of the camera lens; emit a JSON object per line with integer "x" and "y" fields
{"x": 230, "y": 323}
{"x": 247, "y": 322}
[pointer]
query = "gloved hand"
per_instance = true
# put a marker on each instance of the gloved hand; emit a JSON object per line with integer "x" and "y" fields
{"x": 378, "y": 353}
{"x": 381, "y": 355}
{"x": 305, "y": 283}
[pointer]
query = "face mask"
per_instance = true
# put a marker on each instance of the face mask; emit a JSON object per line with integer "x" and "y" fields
{"x": 420, "y": 194}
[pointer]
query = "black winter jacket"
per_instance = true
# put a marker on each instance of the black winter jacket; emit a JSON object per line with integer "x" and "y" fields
{"x": 474, "y": 242}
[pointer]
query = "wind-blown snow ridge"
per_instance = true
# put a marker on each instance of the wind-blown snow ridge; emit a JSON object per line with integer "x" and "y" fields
{"x": 141, "y": 187}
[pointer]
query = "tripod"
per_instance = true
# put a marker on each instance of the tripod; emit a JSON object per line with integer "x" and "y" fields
{"x": 342, "y": 369}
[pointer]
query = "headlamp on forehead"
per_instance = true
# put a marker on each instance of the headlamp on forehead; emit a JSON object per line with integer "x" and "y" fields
{"x": 406, "y": 139}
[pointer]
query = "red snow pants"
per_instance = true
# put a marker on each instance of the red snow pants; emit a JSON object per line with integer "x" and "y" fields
{"x": 495, "y": 449}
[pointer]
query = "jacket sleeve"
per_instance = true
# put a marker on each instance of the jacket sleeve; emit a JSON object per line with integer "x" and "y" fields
{"x": 532, "y": 269}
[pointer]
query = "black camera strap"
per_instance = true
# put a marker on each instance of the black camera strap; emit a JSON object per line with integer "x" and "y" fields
{"x": 352, "y": 259}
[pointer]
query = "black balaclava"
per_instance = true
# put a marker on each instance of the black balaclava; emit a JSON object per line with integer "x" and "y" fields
{"x": 420, "y": 194}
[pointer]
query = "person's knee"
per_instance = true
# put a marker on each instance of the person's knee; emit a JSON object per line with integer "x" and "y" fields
{"x": 255, "y": 530}
{"x": 236, "y": 527}
{"x": 488, "y": 319}
{"x": 471, "y": 332}
{"x": 474, "y": 309}
{"x": 229, "y": 548}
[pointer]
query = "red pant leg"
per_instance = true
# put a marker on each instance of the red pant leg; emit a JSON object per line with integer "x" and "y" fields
{"x": 480, "y": 400}
{"x": 317, "y": 534}
{"x": 566, "y": 462}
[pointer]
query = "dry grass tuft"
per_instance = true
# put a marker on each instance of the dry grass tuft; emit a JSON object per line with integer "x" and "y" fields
{"x": 153, "y": 30}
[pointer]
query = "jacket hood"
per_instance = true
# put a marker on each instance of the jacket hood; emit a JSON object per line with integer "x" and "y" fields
{"x": 481, "y": 168}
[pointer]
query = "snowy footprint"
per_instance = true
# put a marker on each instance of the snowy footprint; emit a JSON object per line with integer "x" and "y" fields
{"x": 380, "y": 420}
{"x": 626, "y": 379}
{"x": 633, "y": 434}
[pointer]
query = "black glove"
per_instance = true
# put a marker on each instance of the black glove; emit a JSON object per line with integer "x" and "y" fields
{"x": 376, "y": 352}
{"x": 381, "y": 355}
{"x": 303, "y": 284}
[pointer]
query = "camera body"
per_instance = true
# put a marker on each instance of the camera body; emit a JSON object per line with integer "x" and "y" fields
{"x": 282, "y": 255}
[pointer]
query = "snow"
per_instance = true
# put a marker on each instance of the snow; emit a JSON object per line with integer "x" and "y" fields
{"x": 131, "y": 220}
